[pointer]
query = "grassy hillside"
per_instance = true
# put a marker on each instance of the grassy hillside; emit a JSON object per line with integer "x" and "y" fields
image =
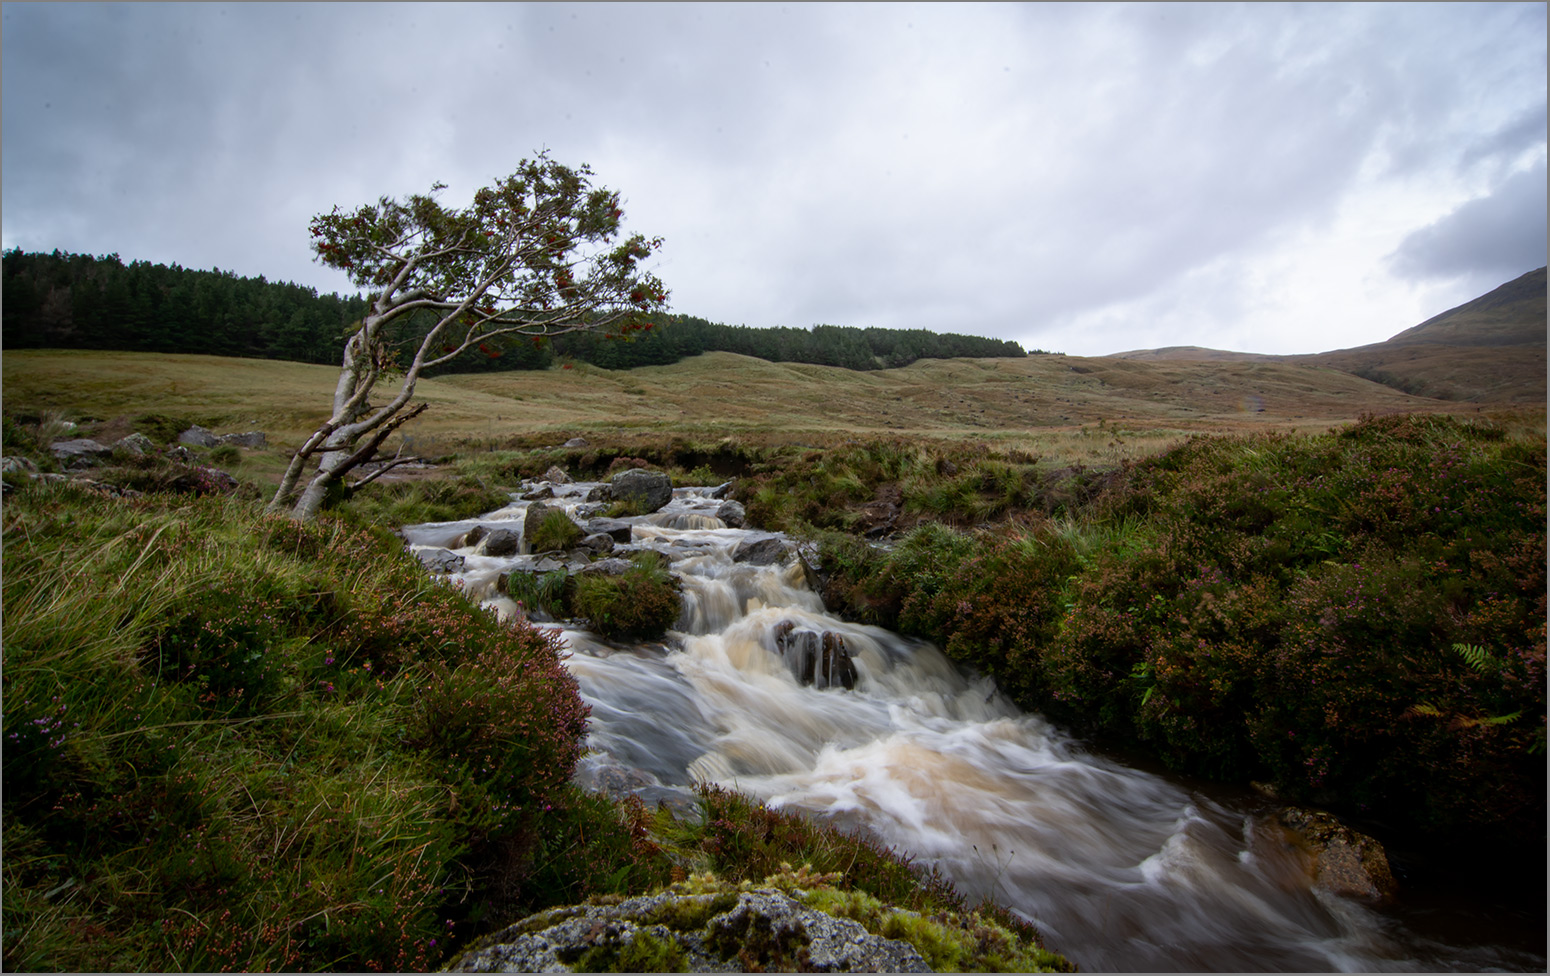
{"x": 1092, "y": 411}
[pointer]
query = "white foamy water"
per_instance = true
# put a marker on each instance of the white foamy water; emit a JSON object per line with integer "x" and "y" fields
{"x": 1118, "y": 868}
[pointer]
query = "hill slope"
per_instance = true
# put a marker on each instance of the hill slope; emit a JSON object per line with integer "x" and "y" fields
{"x": 1489, "y": 350}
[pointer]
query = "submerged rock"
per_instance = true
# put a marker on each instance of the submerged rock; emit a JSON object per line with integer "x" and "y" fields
{"x": 764, "y": 930}
{"x": 820, "y": 660}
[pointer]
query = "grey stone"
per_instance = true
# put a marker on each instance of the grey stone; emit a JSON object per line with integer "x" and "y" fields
{"x": 18, "y": 465}
{"x": 576, "y": 442}
{"x": 761, "y": 552}
{"x": 250, "y": 439}
{"x": 181, "y": 454}
{"x": 80, "y": 453}
{"x": 556, "y": 476}
{"x": 198, "y": 437}
{"x": 619, "y": 531}
{"x": 440, "y": 560}
{"x": 539, "y": 494}
{"x": 649, "y": 489}
{"x": 732, "y": 514}
{"x": 136, "y": 443}
{"x": 599, "y": 542}
{"x": 501, "y": 542}
{"x": 788, "y": 934}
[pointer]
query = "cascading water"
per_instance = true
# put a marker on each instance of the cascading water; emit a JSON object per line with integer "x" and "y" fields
{"x": 1119, "y": 869}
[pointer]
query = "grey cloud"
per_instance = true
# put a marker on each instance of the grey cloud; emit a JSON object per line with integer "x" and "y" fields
{"x": 1495, "y": 237}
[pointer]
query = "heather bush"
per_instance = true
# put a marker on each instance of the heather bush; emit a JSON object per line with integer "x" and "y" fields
{"x": 1271, "y": 607}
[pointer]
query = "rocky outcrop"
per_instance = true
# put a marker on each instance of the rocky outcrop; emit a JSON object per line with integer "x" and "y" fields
{"x": 252, "y": 439}
{"x": 649, "y": 490}
{"x": 764, "y": 930}
{"x": 83, "y": 452}
{"x": 1333, "y": 857}
{"x": 135, "y": 444}
{"x": 197, "y": 436}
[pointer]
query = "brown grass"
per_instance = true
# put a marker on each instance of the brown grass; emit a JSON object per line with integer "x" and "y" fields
{"x": 1088, "y": 410}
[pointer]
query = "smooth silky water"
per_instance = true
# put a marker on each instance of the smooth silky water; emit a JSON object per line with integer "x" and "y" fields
{"x": 1119, "y": 869}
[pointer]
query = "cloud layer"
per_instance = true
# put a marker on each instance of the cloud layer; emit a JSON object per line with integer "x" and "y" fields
{"x": 1087, "y": 178}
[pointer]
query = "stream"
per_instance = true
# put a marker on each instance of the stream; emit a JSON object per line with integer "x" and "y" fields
{"x": 1119, "y": 869}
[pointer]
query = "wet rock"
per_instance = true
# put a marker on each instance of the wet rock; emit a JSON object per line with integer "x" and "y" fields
{"x": 649, "y": 489}
{"x": 135, "y": 444}
{"x": 619, "y": 531}
{"x": 599, "y": 542}
{"x": 537, "y": 513}
{"x": 500, "y": 542}
{"x": 612, "y": 566}
{"x": 80, "y": 453}
{"x": 555, "y": 475}
{"x": 539, "y": 494}
{"x": 440, "y": 560}
{"x": 251, "y": 439}
{"x": 761, "y": 552}
{"x": 720, "y": 491}
{"x": 198, "y": 436}
{"x": 817, "y": 659}
{"x": 760, "y": 930}
{"x": 732, "y": 514}
{"x": 1336, "y": 858}
{"x": 472, "y": 537}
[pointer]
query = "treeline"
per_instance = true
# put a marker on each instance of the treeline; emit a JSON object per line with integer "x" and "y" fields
{"x": 76, "y": 301}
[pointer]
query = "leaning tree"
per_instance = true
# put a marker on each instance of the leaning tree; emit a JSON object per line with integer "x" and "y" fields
{"x": 535, "y": 255}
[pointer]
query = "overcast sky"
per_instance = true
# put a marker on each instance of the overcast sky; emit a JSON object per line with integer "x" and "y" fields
{"x": 1084, "y": 178}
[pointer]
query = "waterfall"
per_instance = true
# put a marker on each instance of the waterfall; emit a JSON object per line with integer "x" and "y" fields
{"x": 1119, "y": 869}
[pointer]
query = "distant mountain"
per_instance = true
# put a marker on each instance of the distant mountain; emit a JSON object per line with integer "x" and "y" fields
{"x": 1489, "y": 350}
{"x": 1193, "y": 354}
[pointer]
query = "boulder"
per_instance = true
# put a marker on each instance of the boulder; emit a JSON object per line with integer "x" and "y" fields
{"x": 80, "y": 453}
{"x": 576, "y": 442}
{"x": 180, "y": 454}
{"x": 538, "y": 494}
{"x": 440, "y": 560}
{"x": 472, "y": 537}
{"x": 198, "y": 437}
{"x": 136, "y": 443}
{"x": 500, "y": 542}
{"x": 761, "y": 552}
{"x": 732, "y": 514}
{"x": 556, "y": 476}
{"x": 760, "y": 930}
{"x": 1335, "y": 858}
{"x": 598, "y": 542}
{"x": 250, "y": 439}
{"x": 648, "y": 489}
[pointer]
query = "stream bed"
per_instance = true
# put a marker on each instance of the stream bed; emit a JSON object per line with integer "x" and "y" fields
{"x": 1119, "y": 869}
